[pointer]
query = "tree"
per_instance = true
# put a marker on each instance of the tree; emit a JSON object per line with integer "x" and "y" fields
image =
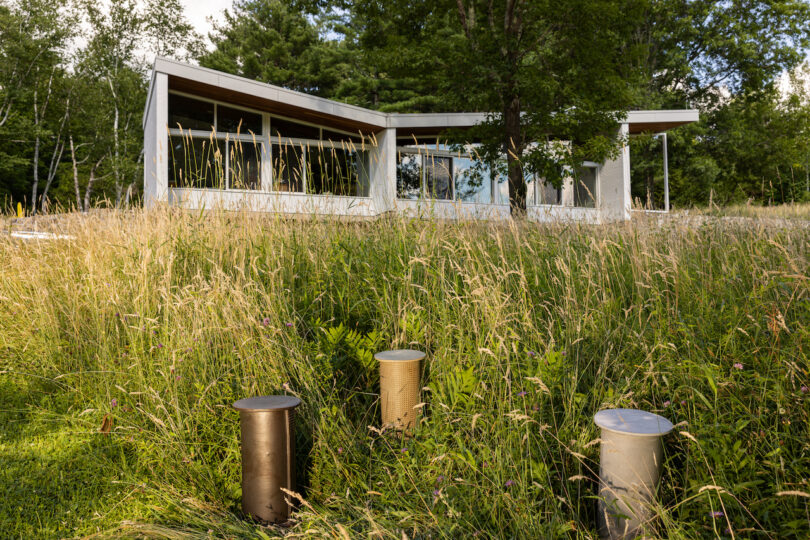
{"x": 276, "y": 42}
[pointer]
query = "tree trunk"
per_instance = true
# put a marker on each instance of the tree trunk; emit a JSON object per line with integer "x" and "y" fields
{"x": 513, "y": 146}
{"x": 90, "y": 181}
{"x": 75, "y": 175}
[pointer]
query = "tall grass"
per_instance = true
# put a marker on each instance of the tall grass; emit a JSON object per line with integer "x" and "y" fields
{"x": 157, "y": 321}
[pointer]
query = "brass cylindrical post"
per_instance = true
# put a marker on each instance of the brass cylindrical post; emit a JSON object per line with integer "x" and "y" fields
{"x": 268, "y": 455}
{"x": 629, "y": 470}
{"x": 400, "y": 374}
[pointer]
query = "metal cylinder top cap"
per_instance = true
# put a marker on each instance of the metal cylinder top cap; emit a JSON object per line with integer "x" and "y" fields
{"x": 399, "y": 355}
{"x": 633, "y": 422}
{"x": 267, "y": 403}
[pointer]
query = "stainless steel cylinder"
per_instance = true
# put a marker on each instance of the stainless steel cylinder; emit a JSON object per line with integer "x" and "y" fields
{"x": 629, "y": 470}
{"x": 268, "y": 455}
{"x": 400, "y": 377}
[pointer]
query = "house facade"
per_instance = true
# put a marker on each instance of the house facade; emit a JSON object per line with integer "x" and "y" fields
{"x": 215, "y": 140}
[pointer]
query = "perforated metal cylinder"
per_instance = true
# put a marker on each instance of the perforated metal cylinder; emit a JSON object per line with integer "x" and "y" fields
{"x": 631, "y": 456}
{"x": 400, "y": 377}
{"x": 268, "y": 455}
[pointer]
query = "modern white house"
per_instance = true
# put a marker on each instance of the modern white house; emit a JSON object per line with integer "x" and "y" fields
{"x": 215, "y": 140}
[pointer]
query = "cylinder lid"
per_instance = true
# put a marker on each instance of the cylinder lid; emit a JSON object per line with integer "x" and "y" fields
{"x": 267, "y": 403}
{"x": 633, "y": 422}
{"x": 399, "y": 355}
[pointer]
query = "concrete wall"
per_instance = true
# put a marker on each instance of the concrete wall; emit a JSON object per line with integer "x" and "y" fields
{"x": 614, "y": 183}
{"x": 281, "y": 203}
{"x": 156, "y": 142}
{"x": 382, "y": 168}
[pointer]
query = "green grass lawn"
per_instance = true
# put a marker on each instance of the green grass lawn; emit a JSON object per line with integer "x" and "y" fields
{"x": 159, "y": 321}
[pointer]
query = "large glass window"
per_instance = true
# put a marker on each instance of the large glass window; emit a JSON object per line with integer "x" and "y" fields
{"x": 293, "y": 130}
{"x": 190, "y": 113}
{"x": 585, "y": 187}
{"x": 409, "y": 176}
{"x": 473, "y": 183}
{"x": 230, "y": 120}
{"x": 334, "y": 171}
{"x": 439, "y": 177}
{"x": 288, "y": 167}
{"x": 244, "y": 165}
{"x": 196, "y": 163}
{"x": 547, "y": 193}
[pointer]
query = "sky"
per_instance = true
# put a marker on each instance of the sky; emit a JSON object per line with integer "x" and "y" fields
{"x": 199, "y": 11}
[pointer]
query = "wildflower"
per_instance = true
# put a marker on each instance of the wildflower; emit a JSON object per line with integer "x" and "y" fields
{"x": 404, "y": 451}
{"x": 160, "y": 345}
{"x": 117, "y": 314}
{"x": 717, "y": 514}
{"x": 738, "y": 365}
{"x": 114, "y": 402}
{"x": 266, "y": 321}
{"x": 440, "y": 478}
{"x": 683, "y": 402}
{"x": 508, "y": 483}
{"x": 667, "y": 403}
{"x": 485, "y": 464}
{"x": 804, "y": 389}
{"x": 521, "y": 394}
{"x": 340, "y": 449}
{"x": 531, "y": 353}
{"x": 178, "y": 378}
{"x": 289, "y": 324}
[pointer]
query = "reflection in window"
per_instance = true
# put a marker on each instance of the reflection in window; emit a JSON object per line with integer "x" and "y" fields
{"x": 409, "y": 176}
{"x": 585, "y": 187}
{"x": 190, "y": 113}
{"x": 473, "y": 184}
{"x": 230, "y": 120}
{"x": 196, "y": 162}
{"x": 439, "y": 177}
{"x": 547, "y": 193}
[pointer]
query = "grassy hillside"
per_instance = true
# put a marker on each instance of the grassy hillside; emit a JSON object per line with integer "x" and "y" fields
{"x": 159, "y": 321}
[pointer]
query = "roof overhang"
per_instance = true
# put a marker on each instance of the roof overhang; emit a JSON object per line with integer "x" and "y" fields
{"x": 221, "y": 86}
{"x": 658, "y": 121}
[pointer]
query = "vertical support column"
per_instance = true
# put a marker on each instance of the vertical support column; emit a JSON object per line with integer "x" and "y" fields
{"x": 156, "y": 143}
{"x": 614, "y": 182}
{"x": 267, "y": 164}
{"x": 383, "y": 171}
{"x": 666, "y": 173}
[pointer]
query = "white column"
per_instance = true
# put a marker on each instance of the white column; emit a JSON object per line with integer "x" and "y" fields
{"x": 156, "y": 143}
{"x": 383, "y": 171}
{"x": 614, "y": 182}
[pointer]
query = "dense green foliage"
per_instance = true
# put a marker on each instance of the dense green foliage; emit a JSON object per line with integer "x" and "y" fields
{"x": 163, "y": 320}
{"x": 76, "y": 71}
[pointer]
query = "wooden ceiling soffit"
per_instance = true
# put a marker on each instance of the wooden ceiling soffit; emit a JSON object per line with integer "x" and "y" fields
{"x": 273, "y": 107}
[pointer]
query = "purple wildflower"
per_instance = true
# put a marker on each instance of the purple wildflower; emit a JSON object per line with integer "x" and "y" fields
{"x": 160, "y": 345}
{"x": 738, "y": 365}
{"x": 266, "y": 321}
{"x": 717, "y": 514}
{"x": 531, "y": 353}
{"x": 404, "y": 451}
{"x": 289, "y": 324}
{"x": 667, "y": 403}
{"x": 114, "y": 403}
{"x": 521, "y": 394}
{"x": 683, "y": 402}
{"x": 440, "y": 478}
{"x": 804, "y": 389}
{"x": 508, "y": 483}
{"x": 340, "y": 449}
{"x": 436, "y": 492}
{"x": 178, "y": 378}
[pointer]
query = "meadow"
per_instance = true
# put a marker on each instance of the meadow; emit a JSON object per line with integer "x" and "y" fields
{"x": 122, "y": 349}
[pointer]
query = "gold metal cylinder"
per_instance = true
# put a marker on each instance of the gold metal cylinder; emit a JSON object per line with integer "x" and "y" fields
{"x": 400, "y": 375}
{"x": 268, "y": 455}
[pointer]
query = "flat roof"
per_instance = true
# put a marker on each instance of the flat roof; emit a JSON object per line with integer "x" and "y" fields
{"x": 221, "y": 86}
